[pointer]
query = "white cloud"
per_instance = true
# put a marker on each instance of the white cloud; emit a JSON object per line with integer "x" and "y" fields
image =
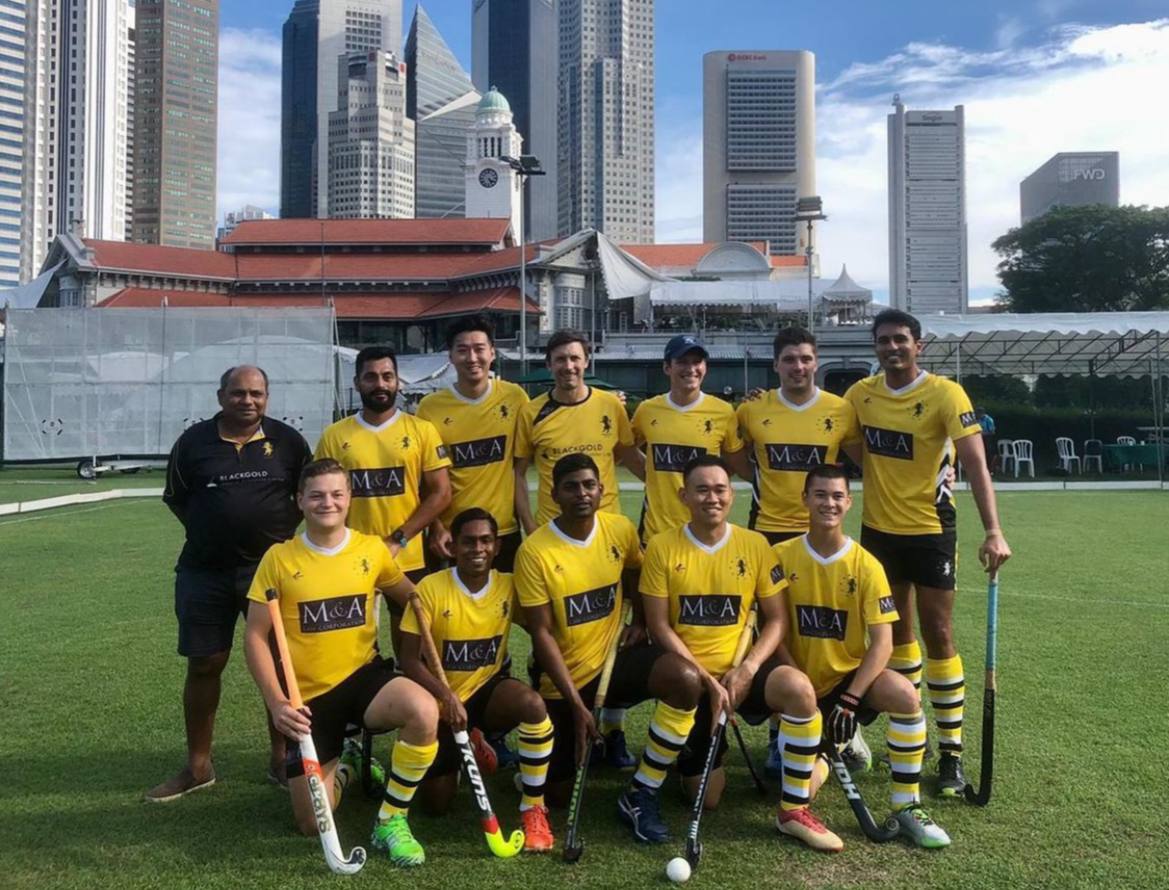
{"x": 249, "y": 120}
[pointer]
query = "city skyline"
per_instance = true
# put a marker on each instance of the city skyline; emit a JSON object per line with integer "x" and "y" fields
{"x": 1023, "y": 77}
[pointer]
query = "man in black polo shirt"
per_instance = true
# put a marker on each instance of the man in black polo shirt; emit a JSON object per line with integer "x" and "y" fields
{"x": 231, "y": 481}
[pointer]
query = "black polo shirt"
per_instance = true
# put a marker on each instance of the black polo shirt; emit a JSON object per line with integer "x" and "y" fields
{"x": 234, "y": 503}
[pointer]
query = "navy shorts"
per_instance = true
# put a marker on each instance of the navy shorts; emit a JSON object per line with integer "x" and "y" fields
{"x": 207, "y": 604}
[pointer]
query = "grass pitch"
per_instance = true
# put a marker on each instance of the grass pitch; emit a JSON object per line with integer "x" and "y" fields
{"x": 89, "y": 696}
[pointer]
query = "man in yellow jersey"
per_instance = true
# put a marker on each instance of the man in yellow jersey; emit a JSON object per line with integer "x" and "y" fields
{"x": 570, "y": 577}
{"x": 698, "y": 585}
{"x": 327, "y": 579}
{"x": 397, "y": 467}
{"x": 470, "y": 607}
{"x": 912, "y": 423}
{"x": 840, "y": 636}
{"x": 677, "y": 426}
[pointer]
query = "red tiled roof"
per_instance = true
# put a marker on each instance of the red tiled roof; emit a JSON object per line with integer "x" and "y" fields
{"x": 377, "y": 267}
{"x": 177, "y": 261}
{"x": 501, "y": 299}
{"x": 777, "y": 261}
{"x": 689, "y": 255}
{"x": 369, "y": 231}
{"x": 149, "y": 298}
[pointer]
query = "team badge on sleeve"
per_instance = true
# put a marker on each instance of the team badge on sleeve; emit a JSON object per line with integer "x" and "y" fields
{"x": 776, "y": 573}
{"x": 886, "y": 605}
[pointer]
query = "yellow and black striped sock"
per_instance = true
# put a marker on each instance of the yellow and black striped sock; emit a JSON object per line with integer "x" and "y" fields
{"x": 906, "y": 660}
{"x": 535, "y": 750}
{"x": 408, "y": 764}
{"x": 668, "y": 729}
{"x": 799, "y": 740}
{"x": 906, "y": 740}
{"x": 947, "y": 691}
{"x": 612, "y": 719}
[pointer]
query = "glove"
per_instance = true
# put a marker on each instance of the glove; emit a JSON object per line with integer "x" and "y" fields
{"x": 842, "y": 720}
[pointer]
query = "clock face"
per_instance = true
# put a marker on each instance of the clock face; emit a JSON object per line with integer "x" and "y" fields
{"x": 488, "y": 178}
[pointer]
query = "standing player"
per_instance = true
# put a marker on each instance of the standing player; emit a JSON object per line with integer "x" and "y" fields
{"x": 476, "y": 419}
{"x": 469, "y": 608}
{"x": 677, "y": 426}
{"x": 912, "y": 422}
{"x": 837, "y": 596}
{"x": 327, "y": 578}
{"x": 230, "y": 481}
{"x": 397, "y": 467}
{"x": 570, "y": 577}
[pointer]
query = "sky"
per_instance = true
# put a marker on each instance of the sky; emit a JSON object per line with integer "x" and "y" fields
{"x": 1035, "y": 79}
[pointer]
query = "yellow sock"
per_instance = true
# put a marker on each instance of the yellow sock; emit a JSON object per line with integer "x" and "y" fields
{"x": 906, "y": 740}
{"x": 408, "y": 764}
{"x": 947, "y": 691}
{"x": 799, "y": 740}
{"x": 535, "y": 750}
{"x": 668, "y": 729}
{"x": 906, "y": 660}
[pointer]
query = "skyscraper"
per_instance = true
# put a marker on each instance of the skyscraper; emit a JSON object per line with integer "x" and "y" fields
{"x": 514, "y": 48}
{"x": 759, "y": 139}
{"x": 1071, "y": 179}
{"x": 606, "y": 118}
{"x": 176, "y": 86}
{"x": 441, "y": 101}
{"x": 371, "y": 141}
{"x": 17, "y": 52}
{"x": 927, "y": 210}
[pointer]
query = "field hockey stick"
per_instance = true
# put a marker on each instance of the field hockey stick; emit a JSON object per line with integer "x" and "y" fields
{"x": 981, "y": 797}
{"x": 338, "y": 863}
{"x": 878, "y": 834}
{"x": 573, "y": 845}
{"x": 693, "y": 844}
{"x": 504, "y": 849}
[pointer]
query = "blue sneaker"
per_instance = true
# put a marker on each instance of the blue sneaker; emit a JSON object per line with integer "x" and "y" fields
{"x": 504, "y": 755}
{"x": 616, "y": 752}
{"x": 642, "y": 810}
{"x": 773, "y": 766}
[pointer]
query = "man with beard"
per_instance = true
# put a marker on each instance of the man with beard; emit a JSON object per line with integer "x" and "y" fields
{"x": 397, "y": 467}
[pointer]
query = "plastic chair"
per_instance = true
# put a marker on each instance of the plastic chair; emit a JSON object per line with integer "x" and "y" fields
{"x": 1128, "y": 440}
{"x": 1023, "y": 452}
{"x": 1006, "y": 455}
{"x": 1066, "y": 449}
{"x": 1093, "y": 451}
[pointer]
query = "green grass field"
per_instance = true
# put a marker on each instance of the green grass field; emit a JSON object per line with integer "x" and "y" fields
{"x": 89, "y": 696}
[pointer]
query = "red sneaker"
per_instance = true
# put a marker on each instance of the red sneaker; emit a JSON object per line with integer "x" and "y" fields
{"x": 537, "y": 832}
{"x": 485, "y": 755}
{"x": 803, "y": 826}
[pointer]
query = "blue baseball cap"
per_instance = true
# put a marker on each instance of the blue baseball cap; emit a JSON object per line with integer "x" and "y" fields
{"x": 682, "y": 344}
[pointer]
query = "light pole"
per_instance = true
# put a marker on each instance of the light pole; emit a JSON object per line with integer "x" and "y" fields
{"x": 524, "y": 166}
{"x": 809, "y": 210}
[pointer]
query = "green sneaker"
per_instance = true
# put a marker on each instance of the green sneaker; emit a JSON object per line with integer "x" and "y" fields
{"x": 924, "y": 831}
{"x": 351, "y": 757}
{"x": 393, "y": 836}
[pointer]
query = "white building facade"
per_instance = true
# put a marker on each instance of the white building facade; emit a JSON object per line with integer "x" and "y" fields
{"x": 17, "y": 52}
{"x": 493, "y": 188}
{"x": 927, "y": 210}
{"x": 759, "y": 145}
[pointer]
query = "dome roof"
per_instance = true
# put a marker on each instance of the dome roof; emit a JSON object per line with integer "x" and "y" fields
{"x": 493, "y": 100}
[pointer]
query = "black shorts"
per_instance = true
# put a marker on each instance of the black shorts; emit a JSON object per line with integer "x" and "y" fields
{"x": 753, "y": 708}
{"x": 864, "y": 715}
{"x": 207, "y": 604}
{"x": 925, "y": 560}
{"x": 448, "y": 759}
{"x": 628, "y": 686}
{"x": 334, "y": 711}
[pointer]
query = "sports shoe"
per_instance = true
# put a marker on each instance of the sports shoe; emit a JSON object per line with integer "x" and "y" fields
{"x": 616, "y": 752}
{"x": 351, "y": 757}
{"x": 485, "y": 755}
{"x": 773, "y": 765}
{"x": 642, "y": 810}
{"x": 925, "y": 832}
{"x": 537, "y": 832}
{"x": 504, "y": 756}
{"x": 951, "y": 779}
{"x": 393, "y": 836}
{"x": 803, "y": 826}
{"x": 857, "y": 755}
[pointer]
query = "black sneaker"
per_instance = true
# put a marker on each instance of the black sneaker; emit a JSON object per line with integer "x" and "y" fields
{"x": 642, "y": 810}
{"x": 616, "y": 752}
{"x": 951, "y": 779}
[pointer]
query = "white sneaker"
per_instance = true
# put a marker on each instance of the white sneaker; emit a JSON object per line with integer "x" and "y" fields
{"x": 924, "y": 831}
{"x": 857, "y": 755}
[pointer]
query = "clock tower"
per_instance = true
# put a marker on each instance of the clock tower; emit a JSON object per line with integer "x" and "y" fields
{"x": 493, "y": 187}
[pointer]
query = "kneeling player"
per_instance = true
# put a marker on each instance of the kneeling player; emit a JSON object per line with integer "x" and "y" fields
{"x": 698, "y": 585}
{"x": 469, "y": 608}
{"x": 837, "y": 595}
{"x": 327, "y": 578}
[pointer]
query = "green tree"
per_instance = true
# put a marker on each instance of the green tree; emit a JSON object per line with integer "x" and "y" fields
{"x": 1087, "y": 259}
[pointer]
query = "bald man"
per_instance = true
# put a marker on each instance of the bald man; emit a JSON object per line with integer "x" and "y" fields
{"x": 231, "y": 481}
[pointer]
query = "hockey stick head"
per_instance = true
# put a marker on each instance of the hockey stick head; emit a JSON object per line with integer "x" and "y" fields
{"x": 693, "y": 851}
{"x": 505, "y": 849}
{"x": 350, "y": 866}
{"x": 573, "y": 851}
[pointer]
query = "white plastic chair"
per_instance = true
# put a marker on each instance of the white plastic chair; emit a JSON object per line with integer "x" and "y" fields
{"x": 1006, "y": 455}
{"x": 1128, "y": 440}
{"x": 1093, "y": 451}
{"x": 1066, "y": 449}
{"x": 1023, "y": 453}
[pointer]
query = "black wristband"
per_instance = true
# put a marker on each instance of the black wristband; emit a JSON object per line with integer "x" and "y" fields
{"x": 850, "y": 701}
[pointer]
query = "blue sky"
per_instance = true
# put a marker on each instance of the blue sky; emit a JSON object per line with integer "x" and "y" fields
{"x": 1026, "y": 73}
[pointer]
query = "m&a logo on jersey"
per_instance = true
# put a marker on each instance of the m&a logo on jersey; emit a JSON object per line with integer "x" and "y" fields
{"x": 886, "y": 605}
{"x": 889, "y": 443}
{"x": 470, "y": 655}
{"x": 821, "y": 622}
{"x": 334, "y": 613}
{"x": 781, "y": 456}
{"x": 592, "y": 605}
{"x": 378, "y": 482}
{"x": 478, "y": 452}
{"x": 777, "y": 574}
{"x": 968, "y": 418}
{"x": 672, "y": 458}
{"x": 709, "y": 609}
{"x": 606, "y": 424}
